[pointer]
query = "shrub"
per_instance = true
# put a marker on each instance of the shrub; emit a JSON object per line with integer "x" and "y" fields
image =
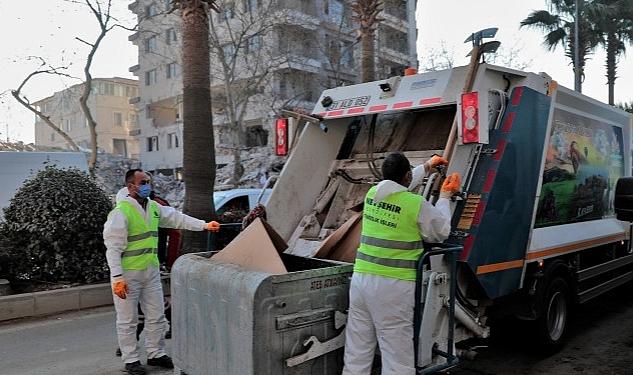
{"x": 52, "y": 229}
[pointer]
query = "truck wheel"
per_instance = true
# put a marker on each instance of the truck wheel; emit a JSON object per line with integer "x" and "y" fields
{"x": 551, "y": 326}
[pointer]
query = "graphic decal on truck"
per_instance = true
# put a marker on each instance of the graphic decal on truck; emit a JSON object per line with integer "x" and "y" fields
{"x": 585, "y": 158}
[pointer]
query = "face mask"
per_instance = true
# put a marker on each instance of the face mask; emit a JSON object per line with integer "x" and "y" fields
{"x": 144, "y": 190}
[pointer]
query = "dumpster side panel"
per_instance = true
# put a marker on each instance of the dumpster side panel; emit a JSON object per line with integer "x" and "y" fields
{"x": 212, "y": 316}
{"x": 292, "y": 308}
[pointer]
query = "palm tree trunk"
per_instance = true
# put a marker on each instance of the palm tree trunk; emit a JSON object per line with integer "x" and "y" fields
{"x": 368, "y": 71}
{"x": 198, "y": 145}
{"x": 612, "y": 53}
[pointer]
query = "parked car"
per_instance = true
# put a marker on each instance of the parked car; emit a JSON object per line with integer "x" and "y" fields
{"x": 231, "y": 206}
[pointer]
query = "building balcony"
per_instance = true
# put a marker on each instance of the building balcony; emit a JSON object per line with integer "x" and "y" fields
{"x": 134, "y": 68}
{"x": 395, "y": 22}
{"x": 133, "y": 37}
{"x": 132, "y": 6}
{"x": 134, "y": 100}
{"x": 134, "y": 132}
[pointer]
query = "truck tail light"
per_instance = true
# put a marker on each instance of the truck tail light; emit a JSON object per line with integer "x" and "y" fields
{"x": 281, "y": 135}
{"x": 470, "y": 117}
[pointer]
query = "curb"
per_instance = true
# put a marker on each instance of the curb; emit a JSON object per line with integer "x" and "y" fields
{"x": 60, "y": 300}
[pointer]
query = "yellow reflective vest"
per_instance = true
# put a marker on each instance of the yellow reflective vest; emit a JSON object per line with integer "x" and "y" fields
{"x": 391, "y": 242}
{"x": 142, "y": 238}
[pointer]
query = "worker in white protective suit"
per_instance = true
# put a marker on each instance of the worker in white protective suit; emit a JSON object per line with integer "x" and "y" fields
{"x": 395, "y": 222}
{"x": 131, "y": 239}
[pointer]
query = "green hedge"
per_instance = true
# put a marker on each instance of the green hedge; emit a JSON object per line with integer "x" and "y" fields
{"x": 52, "y": 229}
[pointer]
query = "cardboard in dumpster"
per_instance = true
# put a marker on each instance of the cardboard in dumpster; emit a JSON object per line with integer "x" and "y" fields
{"x": 256, "y": 248}
{"x": 343, "y": 243}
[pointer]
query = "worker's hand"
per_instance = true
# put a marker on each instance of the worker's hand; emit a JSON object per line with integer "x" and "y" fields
{"x": 451, "y": 185}
{"x": 213, "y": 226}
{"x": 119, "y": 287}
{"x": 434, "y": 161}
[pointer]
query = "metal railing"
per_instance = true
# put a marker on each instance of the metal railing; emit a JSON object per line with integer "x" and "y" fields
{"x": 451, "y": 251}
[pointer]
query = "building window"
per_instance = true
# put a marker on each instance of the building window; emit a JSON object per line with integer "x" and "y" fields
{"x": 152, "y": 143}
{"x": 229, "y": 51}
{"x": 106, "y": 88}
{"x": 227, "y": 12}
{"x": 172, "y": 70}
{"x": 251, "y": 5}
{"x": 131, "y": 91}
{"x": 118, "y": 119}
{"x": 254, "y": 44}
{"x": 150, "y": 10}
{"x": 170, "y": 36}
{"x": 172, "y": 140}
{"x": 150, "y": 77}
{"x": 133, "y": 119}
{"x": 52, "y": 137}
{"x": 151, "y": 44}
{"x": 256, "y": 136}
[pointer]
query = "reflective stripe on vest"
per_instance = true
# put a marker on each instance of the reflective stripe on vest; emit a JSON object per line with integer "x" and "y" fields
{"x": 142, "y": 240}
{"x": 391, "y": 243}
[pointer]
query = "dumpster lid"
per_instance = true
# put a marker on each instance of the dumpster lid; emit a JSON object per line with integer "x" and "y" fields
{"x": 256, "y": 248}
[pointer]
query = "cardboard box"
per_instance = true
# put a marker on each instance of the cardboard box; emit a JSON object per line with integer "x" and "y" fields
{"x": 256, "y": 248}
{"x": 343, "y": 243}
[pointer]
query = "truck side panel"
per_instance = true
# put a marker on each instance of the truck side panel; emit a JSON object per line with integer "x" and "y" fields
{"x": 502, "y": 196}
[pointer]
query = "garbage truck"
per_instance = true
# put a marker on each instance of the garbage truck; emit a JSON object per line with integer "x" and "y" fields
{"x": 542, "y": 222}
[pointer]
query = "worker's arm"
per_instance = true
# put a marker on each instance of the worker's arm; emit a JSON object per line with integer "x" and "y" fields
{"x": 115, "y": 240}
{"x": 172, "y": 218}
{"x": 435, "y": 221}
{"x": 418, "y": 173}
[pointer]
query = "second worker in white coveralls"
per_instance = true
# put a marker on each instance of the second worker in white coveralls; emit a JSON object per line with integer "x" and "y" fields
{"x": 395, "y": 222}
{"x": 131, "y": 238}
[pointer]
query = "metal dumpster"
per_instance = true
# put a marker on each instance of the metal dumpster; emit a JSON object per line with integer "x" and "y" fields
{"x": 230, "y": 320}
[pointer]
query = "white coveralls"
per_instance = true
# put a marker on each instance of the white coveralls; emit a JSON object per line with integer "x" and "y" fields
{"x": 381, "y": 308}
{"x": 144, "y": 285}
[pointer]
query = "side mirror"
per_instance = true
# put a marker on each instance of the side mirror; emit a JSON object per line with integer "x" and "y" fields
{"x": 623, "y": 201}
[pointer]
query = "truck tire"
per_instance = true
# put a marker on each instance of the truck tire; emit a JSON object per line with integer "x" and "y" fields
{"x": 551, "y": 325}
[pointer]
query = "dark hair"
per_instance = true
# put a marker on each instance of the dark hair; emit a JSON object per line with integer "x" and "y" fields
{"x": 395, "y": 167}
{"x": 129, "y": 175}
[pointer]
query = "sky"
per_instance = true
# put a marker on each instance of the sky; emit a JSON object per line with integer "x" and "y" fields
{"x": 48, "y": 28}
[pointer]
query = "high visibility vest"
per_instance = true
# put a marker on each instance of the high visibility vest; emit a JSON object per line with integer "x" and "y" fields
{"x": 142, "y": 238}
{"x": 391, "y": 242}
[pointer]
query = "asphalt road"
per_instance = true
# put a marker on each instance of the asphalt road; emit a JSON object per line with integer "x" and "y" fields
{"x": 600, "y": 343}
{"x": 75, "y": 343}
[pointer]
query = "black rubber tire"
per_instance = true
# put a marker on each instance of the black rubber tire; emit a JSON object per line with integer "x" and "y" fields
{"x": 552, "y": 325}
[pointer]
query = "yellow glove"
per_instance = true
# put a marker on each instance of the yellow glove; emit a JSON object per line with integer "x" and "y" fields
{"x": 434, "y": 161}
{"x": 451, "y": 185}
{"x": 119, "y": 287}
{"x": 213, "y": 226}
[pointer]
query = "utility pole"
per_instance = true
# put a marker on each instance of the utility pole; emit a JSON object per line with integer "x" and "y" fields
{"x": 577, "y": 77}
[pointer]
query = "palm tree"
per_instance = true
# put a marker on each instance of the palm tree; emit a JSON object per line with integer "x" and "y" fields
{"x": 366, "y": 14}
{"x": 614, "y": 24}
{"x": 198, "y": 145}
{"x": 558, "y": 22}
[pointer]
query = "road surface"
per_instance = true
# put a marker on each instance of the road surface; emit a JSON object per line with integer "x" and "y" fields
{"x": 600, "y": 343}
{"x": 74, "y": 343}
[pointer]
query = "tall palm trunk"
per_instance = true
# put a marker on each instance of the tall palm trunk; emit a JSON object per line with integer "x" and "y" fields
{"x": 366, "y": 13}
{"x": 613, "y": 46}
{"x": 368, "y": 55}
{"x": 198, "y": 145}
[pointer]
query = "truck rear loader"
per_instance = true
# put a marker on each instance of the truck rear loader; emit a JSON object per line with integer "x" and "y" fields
{"x": 533, "y": 232}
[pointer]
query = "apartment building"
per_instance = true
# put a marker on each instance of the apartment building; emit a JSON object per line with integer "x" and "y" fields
{"x": 117, "y": 120}
{"x": 265, "y": 55}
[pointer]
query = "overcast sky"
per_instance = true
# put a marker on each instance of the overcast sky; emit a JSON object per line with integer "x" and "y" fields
{"x": 48, "y": 28}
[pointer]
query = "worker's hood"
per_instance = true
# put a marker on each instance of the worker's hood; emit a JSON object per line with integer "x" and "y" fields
{"x": 122, "y": 194}
{"x": 387, "y": 187}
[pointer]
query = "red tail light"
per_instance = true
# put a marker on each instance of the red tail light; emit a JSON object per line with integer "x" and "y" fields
{"x": 470, "y": 117}
{"x": 281, "y": 135}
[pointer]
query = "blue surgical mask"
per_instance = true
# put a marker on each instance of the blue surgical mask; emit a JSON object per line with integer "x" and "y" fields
{"x": 144, "y": 190}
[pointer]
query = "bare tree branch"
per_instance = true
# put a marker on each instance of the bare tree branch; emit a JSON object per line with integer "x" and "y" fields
{"x": 26, "y": 103}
